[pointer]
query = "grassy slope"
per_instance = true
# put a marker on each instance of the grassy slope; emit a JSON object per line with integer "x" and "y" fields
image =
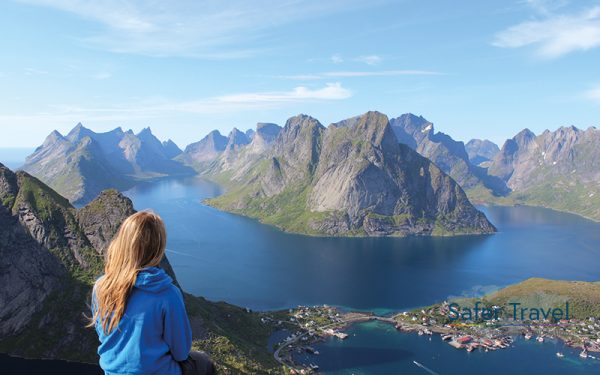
{"x": 583, "y": 297}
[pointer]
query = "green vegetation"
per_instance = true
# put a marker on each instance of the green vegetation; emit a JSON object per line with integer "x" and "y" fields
{"x": 235, "y": 338}
{"x": 583, "y": 297}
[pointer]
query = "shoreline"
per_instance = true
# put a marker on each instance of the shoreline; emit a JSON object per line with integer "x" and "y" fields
{"x": 470, "y": 337}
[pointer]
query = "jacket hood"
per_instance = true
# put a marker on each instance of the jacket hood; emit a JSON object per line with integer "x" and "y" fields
{"x": 153, "y": 279}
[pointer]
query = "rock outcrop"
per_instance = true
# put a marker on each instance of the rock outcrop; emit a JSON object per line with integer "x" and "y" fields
{"x": 556, "y": 169}
{"x": 449, "y": 155}
{"x": 481, "y": 151}
{"x": 352, "y": 178}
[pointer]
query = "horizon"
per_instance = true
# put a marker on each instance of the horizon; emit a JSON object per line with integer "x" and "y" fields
{"x": 484, "y": 70}
{"x": 225, "y": 133}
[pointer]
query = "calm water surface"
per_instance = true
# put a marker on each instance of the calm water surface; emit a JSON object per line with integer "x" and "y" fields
{"x": 236, "y": 259}
{"x": 228, "y": 257}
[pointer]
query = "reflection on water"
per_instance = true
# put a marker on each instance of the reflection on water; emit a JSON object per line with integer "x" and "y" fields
{"x": 227, "y": 257}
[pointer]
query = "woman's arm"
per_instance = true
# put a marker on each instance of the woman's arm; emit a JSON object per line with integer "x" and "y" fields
{"x": 177, "y": 332}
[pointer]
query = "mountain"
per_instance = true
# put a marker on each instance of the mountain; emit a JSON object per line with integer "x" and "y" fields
{"x": 234, "y": 154}
{"x": 83, "y": 163}
{"x": 171, "y": 149}
{"x": 352, "y": 178}
{"x": 201, "y": 153}
{"x": 50, "y": 256}
{"x": 449, "y": 155}
{"x": 481, "y": 151}
{"x": 556, "y": 169}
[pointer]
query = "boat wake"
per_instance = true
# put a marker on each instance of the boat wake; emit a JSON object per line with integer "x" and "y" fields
{"x": 425, "y": 368}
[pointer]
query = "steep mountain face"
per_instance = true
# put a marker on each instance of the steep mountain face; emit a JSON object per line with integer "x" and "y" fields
{"x": 352, "y": 178}
{"x": 22, "y": 260}
{"x": 556, "y": 169}
{"x": 239, "y": 153}
{"x": 50, "y": 255}
{"x": 446, "y": 153}
{"x": 171, "y": 149}
{"x": 263, "y": 137}
{"x": 201, "y": 153}
{"x": 481, "y": 151}
{"x": 84, "y": 163}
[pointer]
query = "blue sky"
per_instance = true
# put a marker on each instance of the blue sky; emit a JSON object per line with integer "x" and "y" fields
{"x": 482, "y": 69}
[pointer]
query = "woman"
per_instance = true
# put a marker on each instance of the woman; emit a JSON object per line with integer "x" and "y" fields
{"x": 138, "y": 313}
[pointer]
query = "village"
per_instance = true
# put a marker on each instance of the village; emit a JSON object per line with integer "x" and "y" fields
{"x": 308, "y": 326}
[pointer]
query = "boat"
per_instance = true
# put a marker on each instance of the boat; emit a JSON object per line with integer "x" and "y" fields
{"x": 559, "y": 355}
{"x": 540, "y": 339}
{"x": 527, "y": 336}
{"x": 447, "y": 337}
{"x": 421, "y": 333}
{"x": 583, "y": 354}
{"x": 470, "y": 348}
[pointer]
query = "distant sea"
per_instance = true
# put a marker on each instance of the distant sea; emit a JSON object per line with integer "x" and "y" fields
{"x": 14, "y": 158}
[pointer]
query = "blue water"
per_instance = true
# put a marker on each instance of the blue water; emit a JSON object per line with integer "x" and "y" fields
{"x": 227, "y": 257}
{"x": 377, "y": 348}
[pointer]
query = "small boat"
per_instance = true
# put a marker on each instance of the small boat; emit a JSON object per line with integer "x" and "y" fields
{"x": 527, "y": 336}
{"x": 447, "y": 337}
{"x": 470, "y": 349}
{"x": 559, "y": 355}
{"x": 421, "y": 333}
{"x": 583, "y": 354}
{"x": 540, "y": 339}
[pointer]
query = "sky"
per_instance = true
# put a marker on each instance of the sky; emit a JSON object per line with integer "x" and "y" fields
{"x": 476, "y": 69}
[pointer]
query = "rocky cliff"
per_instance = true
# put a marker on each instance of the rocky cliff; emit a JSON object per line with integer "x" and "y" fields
{"x": 352, "y": 178}
{"x": 481, "y": 151}
{"x": 449, "y": 155}
{"x": 50, "y": 255}
{"x": 556, "y": 169}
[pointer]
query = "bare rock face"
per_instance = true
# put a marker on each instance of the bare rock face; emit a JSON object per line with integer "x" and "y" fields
{"x": 50, "y": 253}
{"x": 28, "y": 273}
{"x": 83, "y": 163}
{"x": 101, "y": 218}
{"x": 352, "y": 178}
{"x": 204, "y": 151}
{"x": 448, "y": 154}
{"x": 556, "y": 169}
{"x": 481, "y": 151}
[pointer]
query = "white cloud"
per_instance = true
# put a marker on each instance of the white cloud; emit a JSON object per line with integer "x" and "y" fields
{"x": 152, "y": 108}
{"x": 337, "y": 59}
{"x": 370, "y": 59}
{"x": 35, "y": 72}
{"x": 555, "y": 36}
{"x": 196, "y": 28}
{"x": 102, "y": 76}
{"x": 593, "y": 94}
{"x": 351, "y": 74}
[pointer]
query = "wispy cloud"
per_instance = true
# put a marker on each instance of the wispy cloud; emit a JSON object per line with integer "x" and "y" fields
{"x": 152, "y": 108}
{"x": 358, "y": 73}
{"x": 593, "y": 94}
{"x": 197, "y": 28}
{"x": 336, "y": 58}
{"x": 35, "y": 72}
{"x": 555, "y": 35}
{"x": 101, "y": 75}
{"x": 370, "y": 59}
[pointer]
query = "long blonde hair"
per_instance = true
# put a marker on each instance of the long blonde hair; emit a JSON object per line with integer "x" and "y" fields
{"x": 140, "y": 243}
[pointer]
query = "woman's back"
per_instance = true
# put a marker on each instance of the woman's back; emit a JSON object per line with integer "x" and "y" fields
{"x": 154, "y": 332}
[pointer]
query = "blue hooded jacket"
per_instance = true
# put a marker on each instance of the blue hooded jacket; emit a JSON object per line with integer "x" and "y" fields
{"x": 154, "y": 332}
